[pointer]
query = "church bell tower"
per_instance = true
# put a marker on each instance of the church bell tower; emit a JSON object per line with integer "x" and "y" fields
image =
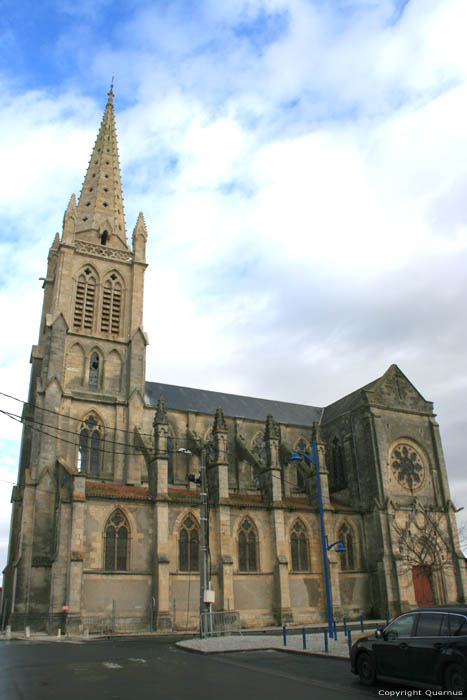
{"x": 87, "y": 382}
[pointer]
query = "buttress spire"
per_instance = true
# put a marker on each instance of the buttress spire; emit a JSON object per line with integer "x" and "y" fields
{"x": 100, "y": 205}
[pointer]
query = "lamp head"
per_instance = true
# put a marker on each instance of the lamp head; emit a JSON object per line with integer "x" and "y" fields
{"x": 340, "y": 547}
{"x": 294, "y": 457}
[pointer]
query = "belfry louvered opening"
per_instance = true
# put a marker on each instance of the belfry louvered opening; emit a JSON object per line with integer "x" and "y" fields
{"x": 85, "y": 300}
{"x": 111, "y": 306}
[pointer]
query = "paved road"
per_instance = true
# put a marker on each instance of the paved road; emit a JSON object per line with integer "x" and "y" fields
{"x": 143, "y": 669}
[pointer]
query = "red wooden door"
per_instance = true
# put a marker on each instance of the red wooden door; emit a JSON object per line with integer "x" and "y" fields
{"x": 422, "y": 588}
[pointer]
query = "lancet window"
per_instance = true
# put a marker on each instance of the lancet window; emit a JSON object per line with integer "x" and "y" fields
{"x": 117, "y": 542}
{"x": 90, "y": 447}
{"x": 85, "y": 300}
{"x": 94, "y": 371}
{"x": 111, "y": 305}
{"x": 347, "y": 558}
{"x": 247, "y": 547}
{"x": 299, "y": 547}
{"x": 188, "y": 545}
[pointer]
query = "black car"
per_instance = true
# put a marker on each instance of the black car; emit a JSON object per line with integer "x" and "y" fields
{"x": 425, "y": 647}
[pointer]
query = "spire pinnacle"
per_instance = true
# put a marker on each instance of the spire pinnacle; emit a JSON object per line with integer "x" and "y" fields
{"x": 100, "y": 205}
{"x": 110, "y": 94}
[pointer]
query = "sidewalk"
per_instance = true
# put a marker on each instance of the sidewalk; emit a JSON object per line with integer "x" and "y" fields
{"x": 315, "y": 642}
{"x": 250, "y": 639}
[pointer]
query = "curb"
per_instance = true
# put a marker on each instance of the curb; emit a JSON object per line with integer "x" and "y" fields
{"x": 323, "y": 654}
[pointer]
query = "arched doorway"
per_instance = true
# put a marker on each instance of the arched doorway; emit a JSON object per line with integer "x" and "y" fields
{"x": 422, "y": 588}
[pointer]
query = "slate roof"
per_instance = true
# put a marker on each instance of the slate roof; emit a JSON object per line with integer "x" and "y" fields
{"x": 184, "y": 398}
{"x": 346, "y": 404}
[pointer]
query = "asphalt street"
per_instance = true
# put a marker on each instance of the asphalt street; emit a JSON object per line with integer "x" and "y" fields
{"x": 143, "y": 668}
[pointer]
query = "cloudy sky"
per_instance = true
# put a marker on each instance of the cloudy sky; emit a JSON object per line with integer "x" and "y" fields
{"x": 302, "y": 168}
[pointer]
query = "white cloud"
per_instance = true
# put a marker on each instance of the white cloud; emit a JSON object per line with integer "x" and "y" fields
{"x": 304, "y": 195}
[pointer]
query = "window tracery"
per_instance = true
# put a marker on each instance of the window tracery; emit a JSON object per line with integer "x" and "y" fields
{"x": 247, "y": 546}
{"x": 299, "y": 547}
{"x": 188, "y": 545}
{"x": 90, "y": 447}
{"x": 117, "y": 542}
{"x": 347, "y": 558}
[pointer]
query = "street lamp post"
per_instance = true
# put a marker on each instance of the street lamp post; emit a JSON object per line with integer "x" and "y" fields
{"x": 204, "y": 605}
{"x": 314, "y": 460}
{"x": 205, "y": 593}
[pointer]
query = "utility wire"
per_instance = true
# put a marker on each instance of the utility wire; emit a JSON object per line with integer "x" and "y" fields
{"x": 57, "y": 413}
{"x": 135, "y": 449}
{"x": 28, "y": 422}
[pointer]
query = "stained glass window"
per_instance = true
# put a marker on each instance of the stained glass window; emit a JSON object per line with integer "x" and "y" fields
{"x": 247, "y": 547}
{"x": 188, "y": 545}
{"x": 117, "y": 543}
{"x": 90, "y": 447}
{"x": 299, "y": 547}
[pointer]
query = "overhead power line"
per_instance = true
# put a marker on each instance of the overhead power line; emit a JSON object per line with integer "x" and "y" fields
{"x": 132, "y": 449}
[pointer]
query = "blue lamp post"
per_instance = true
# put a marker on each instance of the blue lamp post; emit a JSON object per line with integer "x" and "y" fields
{"x": 325, "y": 546}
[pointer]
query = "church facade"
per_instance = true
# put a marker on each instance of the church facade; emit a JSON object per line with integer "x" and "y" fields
{"x": 105, "y": 520}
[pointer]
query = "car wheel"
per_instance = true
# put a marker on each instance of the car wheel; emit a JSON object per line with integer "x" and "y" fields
{"x": 366, "y": 669}
{"x": 454, "y": 678}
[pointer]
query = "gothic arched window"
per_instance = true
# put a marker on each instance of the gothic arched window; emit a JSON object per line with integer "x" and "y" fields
{"x": 188, "y": 545}
{"x": 90, "y": 447}
{"x": 117, "y": 542}
{"x": 111, "y": 305}
{"x": 247, "y": 547}
{"x": 85, "y": 300}
{"x": 299, "y": 547}
{"x": 345, "y": 535}
{"x": 94, "y": 371}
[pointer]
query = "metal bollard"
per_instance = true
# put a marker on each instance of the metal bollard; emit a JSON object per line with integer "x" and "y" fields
{"x": 345, "y": 626}
{"x": 362, "y": 626}
{"x": 304, "y": 637}
{"x": 335, "y": 629}
{"x": 284, "y": 635}
{"x": 8, "y": 631}
{"x": 387, "y": 617}
{"x": 349, "y": 639}
{"x": 326, "y": 647}
{"x": 59, "y": 633}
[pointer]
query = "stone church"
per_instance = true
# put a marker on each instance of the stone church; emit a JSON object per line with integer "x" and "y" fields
{"x": 105, "y": 520}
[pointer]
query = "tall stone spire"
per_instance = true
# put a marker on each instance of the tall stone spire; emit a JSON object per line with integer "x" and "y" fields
{"x": 100, "y": 205}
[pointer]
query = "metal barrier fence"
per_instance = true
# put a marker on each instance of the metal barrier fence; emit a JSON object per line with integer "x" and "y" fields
{"x": 220, "y": 623}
